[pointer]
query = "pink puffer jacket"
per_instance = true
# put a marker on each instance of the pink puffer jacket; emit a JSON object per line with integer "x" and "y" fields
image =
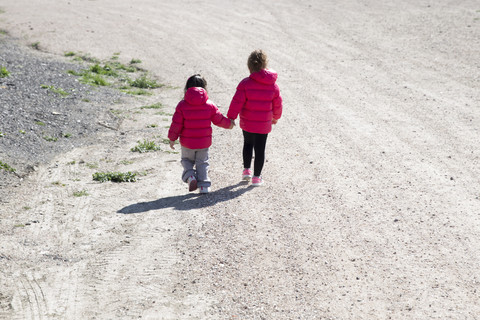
{"x": 193, "y": 118}
{"x": 258, "y": 101}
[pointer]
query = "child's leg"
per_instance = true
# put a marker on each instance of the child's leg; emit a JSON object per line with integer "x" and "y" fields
{"x": 188, "y": 161}
{"x": 248, "y": 143}
{"x": 201, "y": 162}
{"x": 260, "y": 143}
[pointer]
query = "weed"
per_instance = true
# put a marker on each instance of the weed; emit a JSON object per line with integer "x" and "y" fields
{"x": 6, "y": 167}
{"x": 58, "y": 183}
{"x": 157, "y": 105}
{"x": 152, "y": 126}
{"x": 74, "y": 73}
{"x": 94, "y": 79}
{"x": 22, "y": 131}
{"x": 86, "y": 100}
{"x": 69, "y": 54}
{"x": 67, "y": 135}
{"x": 166, "y": 141}
{"x": 3, "y": 32}
{"x": 120, "y": 66}
{"x": 145, "y": 146}
{"x": 50, "y": 139}
{"x": 135, "y": 61}
{"x": 115, "y": 176}
{"x": 138, "y": 92}
{"x": 92, "y": 165}
{"x": 26, "y": 208}
{"x": 2, "y": 134}
{"x": 106, "y": 70}
{"x": 59, "y": 91}
{"x": 81, "y": 193}
{"x": 143, "y": 82}
{"x": 19, "y": 226}
{"x": 4, "y": 72}
{"x": 40, "y": 123}
{"x": 71, "y": 162}
{"x": 162, "y": 113}
{"x": 35, "y": 45}
{"x": 86, "y": 58}
{"x": 126, "y": 162}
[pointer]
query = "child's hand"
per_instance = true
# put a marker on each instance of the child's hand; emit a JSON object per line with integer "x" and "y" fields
{"x": 274, "y": 121}
{"x": 232, "y": 124}
{"x": 172, "y": 143}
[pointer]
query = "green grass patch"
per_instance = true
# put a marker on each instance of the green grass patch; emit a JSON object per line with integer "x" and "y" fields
{"x": 92, "y": 165}
{"x": 35, "y": 45}
{"x": 126, "y": 162}
{"x": 135, "y": 61}
{"x": 163, "y": 113}
{"x": 59, "y": 91}
{"x": 138, "y": 92}
{"x": 4, "y": 72}
{"x": 40, "y": 123}
{"x": 6, "y": 167}
{"x": 94, "y": 79}
{"x": 80, "y": 193}
{"x": 115, "y": 176}
{"x": 157, "y": 105}
{"x": 143, "y": 82}
{"x": 2, "y": 134}
{"x": 69, "y": 54}
{"x": 50, "y": 139}
{"x": 145, "y": 146}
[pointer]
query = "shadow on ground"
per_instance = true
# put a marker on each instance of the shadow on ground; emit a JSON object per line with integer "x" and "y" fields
{"x": 189, "y": 201}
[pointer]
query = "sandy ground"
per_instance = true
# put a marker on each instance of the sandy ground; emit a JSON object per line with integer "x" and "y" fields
{"x": 371, "y": 205}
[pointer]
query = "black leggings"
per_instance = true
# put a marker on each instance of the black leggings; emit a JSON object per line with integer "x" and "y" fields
{"x": 257, "y": 142}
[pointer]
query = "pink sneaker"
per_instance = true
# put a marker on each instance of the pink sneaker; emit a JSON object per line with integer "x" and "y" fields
{"x": 192, "y": 183}
{"x": 247, "y": 174}
{"x": 257, "y": 181}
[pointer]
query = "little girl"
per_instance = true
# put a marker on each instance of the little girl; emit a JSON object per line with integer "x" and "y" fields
{"x": 259, "y": 104}
{"x": 192, "y": 123}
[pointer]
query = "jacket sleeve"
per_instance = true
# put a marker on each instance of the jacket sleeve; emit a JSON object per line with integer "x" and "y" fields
{"x": 277, "y": 104}
{"x": 219, "y": 119}
{"x": 177, "y": 124}
{"x": 238, "y": 101}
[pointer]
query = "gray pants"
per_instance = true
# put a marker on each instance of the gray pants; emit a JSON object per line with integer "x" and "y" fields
{"x": 197, "y": 158}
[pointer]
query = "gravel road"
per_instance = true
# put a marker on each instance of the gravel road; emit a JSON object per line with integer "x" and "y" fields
{"x": 370, "y": 208}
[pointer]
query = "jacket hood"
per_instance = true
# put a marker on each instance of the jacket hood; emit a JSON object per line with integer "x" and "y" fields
{"x": 196, "y": 96}
{"x": 265, "y": 76}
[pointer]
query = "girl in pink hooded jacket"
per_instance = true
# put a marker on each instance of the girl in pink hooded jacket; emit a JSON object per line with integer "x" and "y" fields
{"x": 259, "y": 103}
{"x": 192, "y": 123}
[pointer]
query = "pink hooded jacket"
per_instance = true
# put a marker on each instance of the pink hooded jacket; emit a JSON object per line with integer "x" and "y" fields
{"x": 258, "y": 101}
{"x": 192, "y": 120}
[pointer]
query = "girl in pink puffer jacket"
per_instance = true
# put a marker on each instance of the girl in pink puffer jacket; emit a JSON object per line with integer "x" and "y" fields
{"x": 259, "y": 103}
{"x": 192, "y": 122}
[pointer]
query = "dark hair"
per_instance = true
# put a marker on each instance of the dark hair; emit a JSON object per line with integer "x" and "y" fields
{"x": 196, "y": 81}
{"x": 257, "y": 61}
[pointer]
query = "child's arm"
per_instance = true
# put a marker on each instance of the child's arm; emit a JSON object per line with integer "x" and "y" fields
{"x": 277, "y": 105}
{"x": 220, "y": 120}
{"x": 176, "y": 126}
{"x": 238, "y": 101}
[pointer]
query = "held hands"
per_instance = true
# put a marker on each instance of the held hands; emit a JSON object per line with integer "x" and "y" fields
{"x": 274, "y": 121}
{"x": 172, "y": 143}
{"x": 232, "y": 124}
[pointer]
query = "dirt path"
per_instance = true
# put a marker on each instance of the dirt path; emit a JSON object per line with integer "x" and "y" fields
{"x": 371, "y": 203}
